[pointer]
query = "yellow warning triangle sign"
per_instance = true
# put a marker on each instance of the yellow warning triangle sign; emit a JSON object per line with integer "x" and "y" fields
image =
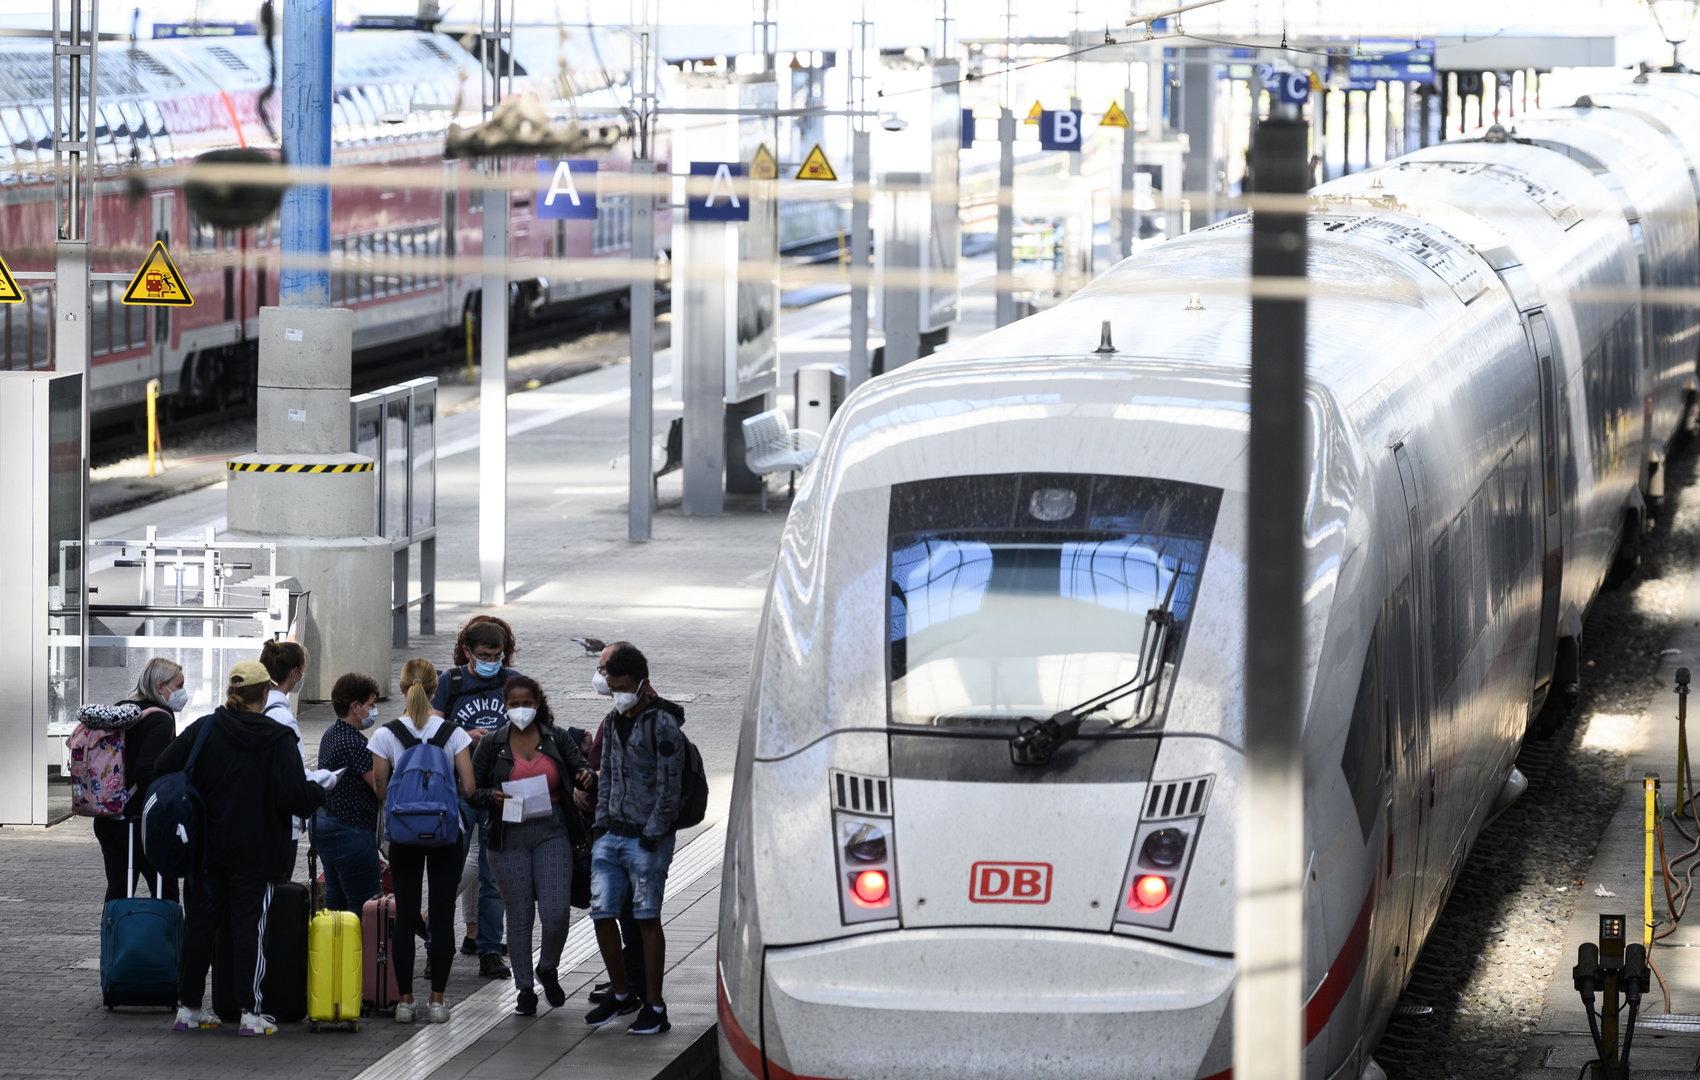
{"x": 1034, "y": 113}
{"x": 816, "y": 167}
{"x": 764, "y": 166}
{"x": 9, "y": 291}
{"x": 158, "y": 283}
{"x": 1114, "y": 116}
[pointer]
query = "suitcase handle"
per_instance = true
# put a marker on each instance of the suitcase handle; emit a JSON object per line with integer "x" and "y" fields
{"x": 130, "y": 828}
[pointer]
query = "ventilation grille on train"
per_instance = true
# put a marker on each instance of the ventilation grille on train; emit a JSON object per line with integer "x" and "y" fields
{"x": 1170, "y": 799}
{"x": 861, "y": 794}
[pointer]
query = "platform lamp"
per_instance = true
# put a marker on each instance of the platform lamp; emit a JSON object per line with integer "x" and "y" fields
{"x": 1675, "y": 19}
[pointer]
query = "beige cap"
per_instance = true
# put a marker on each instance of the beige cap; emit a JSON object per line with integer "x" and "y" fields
{"x": 249, "y": 673}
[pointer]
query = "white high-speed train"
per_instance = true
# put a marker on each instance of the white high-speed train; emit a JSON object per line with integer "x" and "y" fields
{"x": 1017, "y": 526}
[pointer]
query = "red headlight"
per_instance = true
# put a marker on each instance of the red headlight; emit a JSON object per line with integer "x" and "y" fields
{"x": 1149, "y": 892}
{"x": 871, "y": 887}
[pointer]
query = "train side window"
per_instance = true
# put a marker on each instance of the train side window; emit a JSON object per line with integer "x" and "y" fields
{"x": 1363, "y": 759}
{"x": 339, "y": 274}
{"x": 362, "y": 248}
{"x": 100, "y": 324}
{"x": 41, "y": 328}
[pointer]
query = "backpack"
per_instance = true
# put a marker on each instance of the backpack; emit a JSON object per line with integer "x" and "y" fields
{"x": 96, "y": 750}
{"x": 693, "y": 783}
{"x": 174, "y": 817}
{"x": 422, "y": 806}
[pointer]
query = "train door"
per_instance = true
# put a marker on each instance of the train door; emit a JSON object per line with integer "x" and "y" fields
{"x": 1552, "y": 527}
{"x": 1413, "y": 789}
{"x": 164, "y": 205}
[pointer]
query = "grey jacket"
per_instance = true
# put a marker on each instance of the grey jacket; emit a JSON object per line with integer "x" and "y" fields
{"x": 637, "y": 792}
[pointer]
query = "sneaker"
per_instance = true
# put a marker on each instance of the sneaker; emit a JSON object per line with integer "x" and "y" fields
{"x": 195, "y": 1019}
{"x": 437, "y": 1012}
{"x": 601, "y": 992}
{"x": 490, "y": 966}
{"x": 404, "y": 1012}
{"x": 468, "y": 946}
{"x": 257, "y": 1024}
{"x": 612, "y": 1007}
{"x": 527, "y": 1004}
{"x": 552, "y": 992}
{"x": 652, "y": 1020}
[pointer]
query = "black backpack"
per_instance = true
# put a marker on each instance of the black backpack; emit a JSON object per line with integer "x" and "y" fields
{"x": 693, "y": 783}
{"x": 174, "y": 817}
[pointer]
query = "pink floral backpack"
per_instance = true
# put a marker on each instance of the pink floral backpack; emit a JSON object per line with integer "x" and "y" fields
{"x": 96, "y": 748}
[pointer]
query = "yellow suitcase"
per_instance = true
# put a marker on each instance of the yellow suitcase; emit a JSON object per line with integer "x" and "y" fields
{"x": 334, "y": 966}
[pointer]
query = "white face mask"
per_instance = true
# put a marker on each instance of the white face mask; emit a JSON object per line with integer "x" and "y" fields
{"x": 521, "y": 716}
{"x": 179, "y": 700}
{"x": 599, "y": 683}
{"x": 624, "y": 701}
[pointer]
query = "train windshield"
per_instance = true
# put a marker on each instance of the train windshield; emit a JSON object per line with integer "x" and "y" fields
{"x": 1022, "y": 594}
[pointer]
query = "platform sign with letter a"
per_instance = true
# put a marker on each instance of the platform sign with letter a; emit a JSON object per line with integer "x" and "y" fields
{"x": 1059, "y": 129}
{"x": 727, "y": 196}
{"x": 566, "y": 190}
{"x": 158, "y": 283}
{"x": 9, "y": 291}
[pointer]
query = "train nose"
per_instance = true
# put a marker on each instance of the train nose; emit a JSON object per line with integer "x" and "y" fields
{"x": 984, "y": 1002}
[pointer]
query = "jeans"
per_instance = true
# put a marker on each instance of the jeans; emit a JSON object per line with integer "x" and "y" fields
{"x": 535, "y": 870}
{"x": 481, "y": 902}
{"x": 349, "y": 856}
{"x": 621, "y": 870}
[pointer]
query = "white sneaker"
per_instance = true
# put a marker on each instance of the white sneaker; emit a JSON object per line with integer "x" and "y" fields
{"x": 437, "y": 1012}
{"x": 257, "y": 1024}
{"x": 404, "y": 1012}
{"x": 195, "y": 1019}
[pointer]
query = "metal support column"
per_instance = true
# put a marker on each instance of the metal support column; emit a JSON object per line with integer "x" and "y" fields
{"x": 1127, "y": 212}
{"x": 1198, "y": 121}
{"x": 861, "y": 175}
{"x": 639, "y": 505}
{"x": 495, "y": 43}
{"x": 305, "y": 223}
{"x": 1006, "y": 217}
{"x": 1269, "y": 855}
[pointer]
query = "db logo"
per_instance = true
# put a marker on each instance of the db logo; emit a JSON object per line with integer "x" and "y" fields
{"x": 1009, "y": 883}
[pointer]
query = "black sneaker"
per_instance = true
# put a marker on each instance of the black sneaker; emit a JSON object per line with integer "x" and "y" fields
{"x": 468, "y": 946}
{"x": 601, "y": 992}
{"x": 652, "y": 1020}
{"x": 552, "y": 992}
{"x": 490, "y": 966}
{"x": 611, "y": 1008}
{"x": 527, "y": 1004}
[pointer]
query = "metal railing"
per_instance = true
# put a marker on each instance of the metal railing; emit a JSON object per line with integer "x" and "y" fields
{"x": 397, "y": 428}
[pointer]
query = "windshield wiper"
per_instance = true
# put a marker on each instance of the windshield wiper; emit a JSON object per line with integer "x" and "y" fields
{"x": 1035, "y": 742}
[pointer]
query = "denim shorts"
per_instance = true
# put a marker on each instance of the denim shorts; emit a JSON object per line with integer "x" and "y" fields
{"x": 620, "y": 867}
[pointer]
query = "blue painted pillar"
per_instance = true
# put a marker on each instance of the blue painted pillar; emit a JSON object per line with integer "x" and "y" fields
{"x": 306, "y": 99}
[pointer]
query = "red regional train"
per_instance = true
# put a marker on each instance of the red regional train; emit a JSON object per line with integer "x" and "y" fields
{"x": 162, "y": 103}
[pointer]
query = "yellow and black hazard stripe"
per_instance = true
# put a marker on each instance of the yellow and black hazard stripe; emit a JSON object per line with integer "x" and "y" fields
{"x": 298, "y": 467}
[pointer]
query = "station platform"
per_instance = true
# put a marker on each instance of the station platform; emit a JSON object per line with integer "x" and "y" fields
{"x": 690, "y": 598}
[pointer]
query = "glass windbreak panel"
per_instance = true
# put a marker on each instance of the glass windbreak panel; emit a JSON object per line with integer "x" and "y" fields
{"x": 424, "y": 460}
{"x": 368, "y": 442}
{"x": 65, "y": 551}
{"x": 1023, "y": 594}
{"x": 393, "y": 473}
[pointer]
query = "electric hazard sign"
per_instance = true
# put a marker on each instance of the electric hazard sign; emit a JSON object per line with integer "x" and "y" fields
{"x": 764, "y": 166}
{"x": 158, "y": 283}
{"x": 9, "y": 291}
{"x": 816, "y": 167}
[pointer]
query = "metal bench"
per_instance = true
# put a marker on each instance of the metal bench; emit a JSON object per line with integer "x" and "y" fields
{"x": 772, "y": 445}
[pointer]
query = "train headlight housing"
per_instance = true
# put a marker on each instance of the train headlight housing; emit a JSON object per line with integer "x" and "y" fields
{"x": 1163, "y": 847}
{"x": 863, "y": 847}
{"x": 1149, "y": 892}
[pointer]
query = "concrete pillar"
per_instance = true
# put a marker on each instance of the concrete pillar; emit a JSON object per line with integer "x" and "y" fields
{"x": 1198, "y": 122}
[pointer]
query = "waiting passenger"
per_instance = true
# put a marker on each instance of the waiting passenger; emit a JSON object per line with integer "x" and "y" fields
{"x": 345, "y": 831}
{"x": 147, "y": 720}
{"x": 470, "y": 696}
{"x": 422, "y": 740}
{"x": 249, "y": 777}
{"x": 532, "y": 857}
{"x": 286, "y": 662}
{"x": 631, "y": 939}
{"x": 637, "y": 801}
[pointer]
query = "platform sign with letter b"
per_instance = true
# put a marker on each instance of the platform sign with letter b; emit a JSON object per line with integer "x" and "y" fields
{"x": 1059, "y": 129}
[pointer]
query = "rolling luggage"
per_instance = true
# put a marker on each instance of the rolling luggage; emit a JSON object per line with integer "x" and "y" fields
{"x": 377, "y": 937}
{"x": 140, "y": 942}
{"x": 283, "y": 991}
{"x": 334, "y": 964}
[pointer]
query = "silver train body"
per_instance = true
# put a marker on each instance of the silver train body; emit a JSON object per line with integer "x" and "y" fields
{"x": 1011, "y": 526}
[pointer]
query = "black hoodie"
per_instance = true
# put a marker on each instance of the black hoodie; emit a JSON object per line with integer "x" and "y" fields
{"x": 250, "y": 778}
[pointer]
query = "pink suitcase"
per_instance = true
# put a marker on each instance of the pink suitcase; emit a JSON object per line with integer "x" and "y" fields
{"x": 377, "y": 938}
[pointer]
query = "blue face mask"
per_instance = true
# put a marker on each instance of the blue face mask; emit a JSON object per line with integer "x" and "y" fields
{"x": 487, "y": 668}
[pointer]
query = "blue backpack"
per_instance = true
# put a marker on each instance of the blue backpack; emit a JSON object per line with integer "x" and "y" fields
{"x": 422, "y": 807}
{"x": 174, "y": 818}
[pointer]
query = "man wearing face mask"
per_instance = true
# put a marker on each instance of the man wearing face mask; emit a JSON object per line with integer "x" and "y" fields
{"x": 637, "y": 801}
{"x": 345, "y": 830}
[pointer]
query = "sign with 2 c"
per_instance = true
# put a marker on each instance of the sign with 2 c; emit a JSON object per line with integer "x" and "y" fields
{"x": 1286, "y": 87}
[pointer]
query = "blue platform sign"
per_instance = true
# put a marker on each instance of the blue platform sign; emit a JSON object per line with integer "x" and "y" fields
{"x": 1390, "y": 60}
{"x": 1059, "y": 129}
{"x": 967, "y": 128}
{"x": 727, "y": 197}
{"x": 566, "y": 189}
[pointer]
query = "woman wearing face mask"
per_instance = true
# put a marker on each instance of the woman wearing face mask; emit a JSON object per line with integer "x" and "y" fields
{"x": 532, "y": 858}
{"x": 160, "y": 694}
{"x": 286, "y": 663}
{"x": 345, "y": 830}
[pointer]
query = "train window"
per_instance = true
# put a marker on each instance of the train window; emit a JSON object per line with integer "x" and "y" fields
{"x": 410, "y": 245}
{"x": 1021, "y": 594}
{"x": 41, "y": 328}
{"x": 100, "y": 313}
{"x": 1362, "y": 761}
{"x": 364, "y": 259}
{"x": 339, "y": 275}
